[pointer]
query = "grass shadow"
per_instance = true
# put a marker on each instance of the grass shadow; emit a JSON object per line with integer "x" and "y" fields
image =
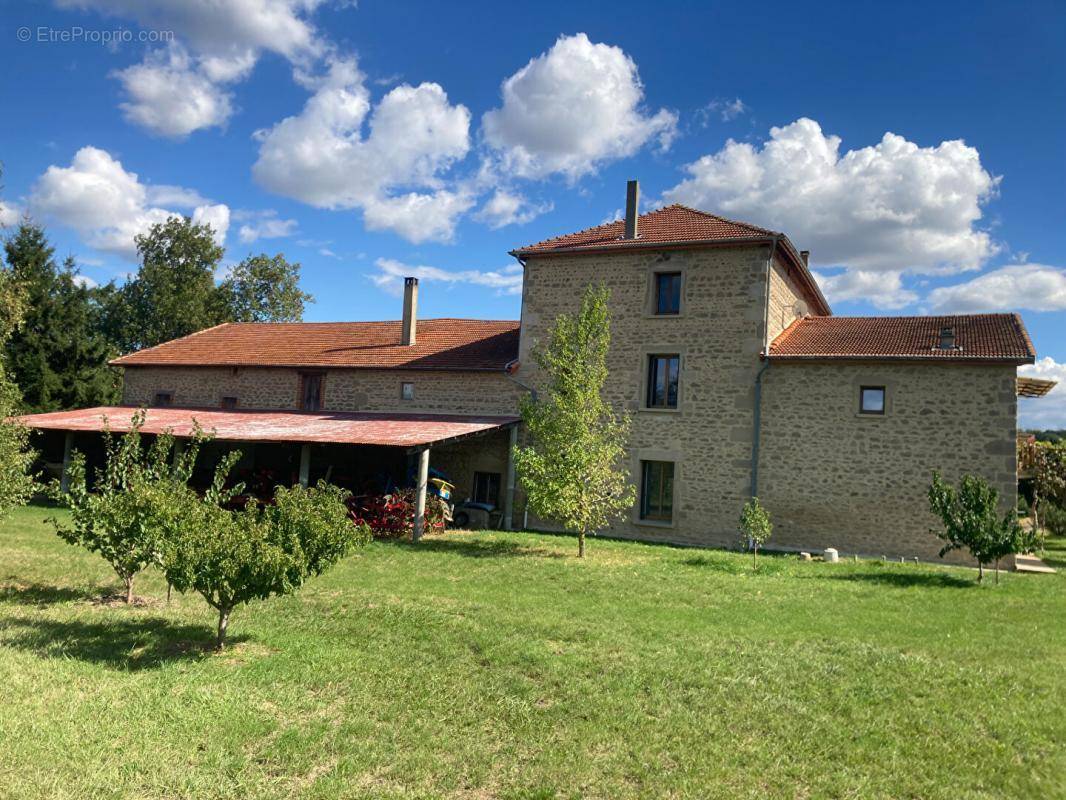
{"x": 905, "y": 580}
{"x": 475, "y": 548}
{"x": 769, "y": 564}
{"x": 44, "y": 594}
{"x": 127, "y": 645}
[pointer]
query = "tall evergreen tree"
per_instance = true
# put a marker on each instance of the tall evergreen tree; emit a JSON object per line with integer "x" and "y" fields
{"x": 58, "y": 356}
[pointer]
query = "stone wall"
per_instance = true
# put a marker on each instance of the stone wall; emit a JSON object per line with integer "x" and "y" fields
{"x": 343, "y": 390}
{"x": 832, "y": 477}
{"x": 787, "y": 302}
{"x": 718, "y": 334}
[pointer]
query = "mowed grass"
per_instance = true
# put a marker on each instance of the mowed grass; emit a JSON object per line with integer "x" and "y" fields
{"x": 480, "y": 665}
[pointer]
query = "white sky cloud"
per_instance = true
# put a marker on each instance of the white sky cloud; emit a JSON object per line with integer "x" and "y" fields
{"x": 1048, "y": 411}
{"x": 170, "y": 95}
{"x": 391, "y": 273}
{"x": 882, "y": 289}
{"x": 181, "y": 88}
{"x": 725, "y": 110}
{"x": 9, "y": 214}
{"x": 394, "y": 173}
{"x": 266, "y": 225}
{"x": 894, "y": 206}
{"x": 510, "y": 208}
{"x": 109, "y": 206}
{"x": 1036, "y": 287}
{"x": 571, "y": 108}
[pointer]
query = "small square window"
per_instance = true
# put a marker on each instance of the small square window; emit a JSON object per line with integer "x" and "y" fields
{"x": 407, "y": 391}
{"x": 872, "y": 400}
{"x": 163, "y": 399}
{"x": 657, "y": 490}
{"x": 663, "y": 377}
{"x": 229, "y": 403}
{"x": 667, "y": 293}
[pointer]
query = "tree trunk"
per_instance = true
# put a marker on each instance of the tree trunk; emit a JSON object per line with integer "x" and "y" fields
{"x": 128, "y": 581}
{"x": 581, "y": 544}
{"x": 223, "y": 623}
{"x": 755, "y": 556}
{"x": 169, "y": 587}
{"x": 997, "y": 572}
{"x": 980, "y": 571}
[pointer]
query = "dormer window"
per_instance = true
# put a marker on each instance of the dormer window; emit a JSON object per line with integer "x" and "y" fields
{"x": 947, "y": 338}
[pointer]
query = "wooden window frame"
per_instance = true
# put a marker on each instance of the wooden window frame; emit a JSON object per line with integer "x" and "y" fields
{"x": 403, "y": 391}
{"x": 169, "y": 395}
{"x": 656, "y": 278}
{"x": 650, "y": 376}
{"x": 499, "y": 486}
{"x": 642, "y": 512}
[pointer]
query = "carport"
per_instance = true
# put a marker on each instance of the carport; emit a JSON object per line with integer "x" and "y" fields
{"x": 411, "y": 434}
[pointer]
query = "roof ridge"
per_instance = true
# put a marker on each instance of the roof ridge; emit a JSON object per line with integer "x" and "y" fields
{"x": 741, "y": 223}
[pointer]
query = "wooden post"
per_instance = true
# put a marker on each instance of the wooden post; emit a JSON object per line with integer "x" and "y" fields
{"x": 179, "y": 448}
{"x": 68, "y": 446}
{"x": 420, "y": 495}
{"x": 508, "y": 497}
{"x": 305, "y": 464}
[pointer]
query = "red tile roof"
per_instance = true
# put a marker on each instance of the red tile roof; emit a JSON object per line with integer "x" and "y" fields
{"x": 447, "y": 344}
{"x": 672, "y": 224}
{"x": 978, "y": 337}
{"x": 326, "y": 427}
{"x": 676, "y": 225}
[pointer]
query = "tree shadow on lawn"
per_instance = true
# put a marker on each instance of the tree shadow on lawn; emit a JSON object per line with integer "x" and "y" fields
{"x": 44, "y": 594}
{"x": 476, "y": 548}
{"x": 905, "y": 580}
{"x": 127, "y": 645}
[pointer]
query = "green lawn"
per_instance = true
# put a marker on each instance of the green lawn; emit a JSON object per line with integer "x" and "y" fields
{"x": 498, "y": 665}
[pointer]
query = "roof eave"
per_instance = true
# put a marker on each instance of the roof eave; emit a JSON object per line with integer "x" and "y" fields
{"x": 1005, "y": 360}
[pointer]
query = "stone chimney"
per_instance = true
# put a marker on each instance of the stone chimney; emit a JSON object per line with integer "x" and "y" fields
{"x": 632, "y": 209}
{"x": 806, "y": 256}
{"x": 410, "y": 311}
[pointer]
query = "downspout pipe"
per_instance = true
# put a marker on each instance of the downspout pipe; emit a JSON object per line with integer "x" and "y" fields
{"x": 756, "y": 432}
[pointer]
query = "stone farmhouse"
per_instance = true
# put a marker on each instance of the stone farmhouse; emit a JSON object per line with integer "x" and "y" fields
{"x": 738, "y": 378}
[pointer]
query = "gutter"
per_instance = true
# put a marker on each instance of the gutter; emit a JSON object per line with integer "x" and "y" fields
{"x": 757, "y": 411}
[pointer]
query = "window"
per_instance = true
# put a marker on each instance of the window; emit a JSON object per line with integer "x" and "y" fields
{"x": 229, "y": 402}
{"x": 668, "y": 293}
{"x": 872, "y": 400}
{"x": 486, "y": 488}
{"x": 163, "y": 399}
{"x": 657, "y": 490}
{"x": 663, "y": 372}
{"x": 407, "y": 391}
{"x": 311, "y": 392}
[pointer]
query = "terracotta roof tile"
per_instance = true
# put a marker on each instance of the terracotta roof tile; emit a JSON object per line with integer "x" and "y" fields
{"x": 978, "y": 337}
{"x": 674, "y": 223}
{"x": 447, "y": 344}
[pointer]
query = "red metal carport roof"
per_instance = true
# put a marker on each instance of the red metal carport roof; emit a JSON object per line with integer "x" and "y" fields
{"x": 324, "y": 427}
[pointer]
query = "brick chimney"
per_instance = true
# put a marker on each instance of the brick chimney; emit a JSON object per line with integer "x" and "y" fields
{"x": 632, "y": 209}
{"x": 410, "y": 311}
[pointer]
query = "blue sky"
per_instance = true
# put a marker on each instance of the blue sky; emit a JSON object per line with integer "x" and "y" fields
{"x": 916, "y": 149}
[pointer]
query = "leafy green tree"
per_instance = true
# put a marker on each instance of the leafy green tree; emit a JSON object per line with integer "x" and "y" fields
{"x": 58, "y": 356}
{"x": 232, "y": 558}
{"x": 123, "y": 516}
{"x": 264, "y": 289}
{"x": 1048, "y": 463}
{"x": 755, "y": 527}
{"x": 174, "y": 293}
{"x": 16, "y": 457}
{"x": 971, "y": 520}
{"x": 573, "y": 468}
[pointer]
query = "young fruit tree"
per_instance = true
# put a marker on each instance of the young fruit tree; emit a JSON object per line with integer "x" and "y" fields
{"x": 755, "y": 528}
{"x": 121, "y": 515}
{"x": 971, "y": 520}
{"x": 234, "y": 557}
{"x": 572, "y": 470}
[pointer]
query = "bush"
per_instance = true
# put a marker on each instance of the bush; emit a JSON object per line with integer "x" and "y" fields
{"x": 1055, "y": 519}
{"x": 234, "y": 557}
{"x": 392, "y": 516}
